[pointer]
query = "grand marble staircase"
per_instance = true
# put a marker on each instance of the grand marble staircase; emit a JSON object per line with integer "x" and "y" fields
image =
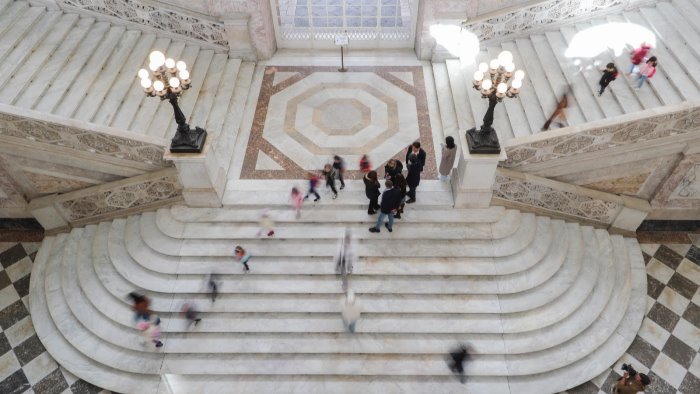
{"x": 79, "y": 68}
{"x": 549, "y": 72}
{"x": 545, "y": 304}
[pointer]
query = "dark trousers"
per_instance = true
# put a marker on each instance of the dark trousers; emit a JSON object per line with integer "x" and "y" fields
{"x": 340, "y": 178}
{"x": 373, "y": 205}
{"x": 411, "y": 192}
{"x": 604, "y": 82}
{"x": 331, "y": 184}
{"x": 312, "y": 191}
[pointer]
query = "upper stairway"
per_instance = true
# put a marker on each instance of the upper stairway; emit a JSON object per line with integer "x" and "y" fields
{"x": 545, "y": 304}
{"x": 80, "y": 68}
{"x": 549, "y": 73}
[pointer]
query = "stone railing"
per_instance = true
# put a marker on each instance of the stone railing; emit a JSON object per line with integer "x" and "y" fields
{"x": 79, "y": 139}
{"x": 545, "y": 196}
{"x": 654, "y": 127}
{"x": 519, "y": 21}
{"x": 107, "y": 201}
{"x": 173, "y": 21}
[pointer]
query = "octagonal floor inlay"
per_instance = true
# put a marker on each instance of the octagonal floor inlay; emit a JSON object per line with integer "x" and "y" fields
{"x": 305, "y": 115}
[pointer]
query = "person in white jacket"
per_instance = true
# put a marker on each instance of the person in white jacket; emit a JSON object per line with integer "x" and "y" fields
{"x": 345, "y": 258}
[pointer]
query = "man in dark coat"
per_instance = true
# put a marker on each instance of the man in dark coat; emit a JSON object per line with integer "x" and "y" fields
{"x": 418, "y": 151}
{"x": 413, "y": 177}
{"x": 400, "y": 184}
{"x": 391, "y": 198}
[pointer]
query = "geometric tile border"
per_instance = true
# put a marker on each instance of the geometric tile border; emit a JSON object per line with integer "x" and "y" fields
{"x": 291, "y": 75}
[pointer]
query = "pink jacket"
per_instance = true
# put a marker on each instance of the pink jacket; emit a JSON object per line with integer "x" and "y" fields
{"x": 648, "y": 70}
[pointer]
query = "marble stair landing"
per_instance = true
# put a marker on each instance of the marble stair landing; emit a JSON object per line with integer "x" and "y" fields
{"x": 545, "y": 305}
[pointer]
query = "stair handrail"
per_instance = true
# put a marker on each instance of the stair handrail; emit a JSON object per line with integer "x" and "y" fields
{"x": 524, "y": 19}
{"x": 657, "y": 126}
{"x": 169, "y": 20}
{"x": 115, "y": 145}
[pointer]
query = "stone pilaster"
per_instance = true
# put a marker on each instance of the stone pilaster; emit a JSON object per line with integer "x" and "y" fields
{"x": 199, "y": 173}
{"x": 238, "y": 35}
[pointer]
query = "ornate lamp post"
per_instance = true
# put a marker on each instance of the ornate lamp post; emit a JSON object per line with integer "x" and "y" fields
{"x": 167, "y": 80}
{"x": 494, "y": 88}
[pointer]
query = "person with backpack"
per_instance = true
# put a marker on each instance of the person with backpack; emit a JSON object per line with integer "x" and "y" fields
{"x": 646, "y": 71}
{"x": 242, "y": 256}
{"x": 638, "y": 56}
{"x": 609, "y": 74}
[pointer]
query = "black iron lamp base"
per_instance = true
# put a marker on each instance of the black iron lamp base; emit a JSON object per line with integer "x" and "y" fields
{"x": 483, "y": 141}
{"x": 187, "y": 140}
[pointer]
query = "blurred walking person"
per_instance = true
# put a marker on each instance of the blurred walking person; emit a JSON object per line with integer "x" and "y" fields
{"x": 330, "y": 174}
{"x": 365, "y": 165}
{"x": 345, "y": 258}
{"x": 142, "y": 307}
{"x": 339, "y": 166}
{"x": 212, "y": 286}
{"x": 609, "y": 74}
{"x": 351, "y": 310}
{"x": 559, "y": 114}
{"x": 638, "y": 56}
{"x": 372, "y": 191}
{"x": 456, "y": 360}
{"x": 242, "y": 256}
{"x": 189, "y": 312}
{"x": 313, "y": 182}
{"x": 297, "y": 200}
{"x": 646, "y": 71}
{"x": 266, "y": 223}
{"x": 151, "y": 330}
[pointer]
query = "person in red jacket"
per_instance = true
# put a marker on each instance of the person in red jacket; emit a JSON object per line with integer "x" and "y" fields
{"x": 646, "y": 71}
{"x": 638, "y": 56}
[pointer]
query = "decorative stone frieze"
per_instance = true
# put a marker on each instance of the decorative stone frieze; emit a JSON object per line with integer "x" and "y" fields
{"x": 85, "y": 141}
{"x": 525, "y": 20}
{"x": 107, "y": 201}
{"x": 556, "y": 145}
{"x": 148, "y": 14}
{"x": 545, "y": 196}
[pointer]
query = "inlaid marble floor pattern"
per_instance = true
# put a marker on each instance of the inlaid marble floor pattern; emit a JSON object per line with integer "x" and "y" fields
{"x": 666, "y": 348}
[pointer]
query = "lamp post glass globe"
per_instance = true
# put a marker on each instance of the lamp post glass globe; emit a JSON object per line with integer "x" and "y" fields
{"x": 494, "y": 64}
{"x": 158, "y": 86}
{"x": 174, "y": 82}
{"x": 143, "y": 73}
{"x": 483, "y": 67}
{"x": 486, "y": 85}
{"x": 520, "y": 74}
{"x": 184, "y": 74}
{"x": 505, "y": 58}
{"x": 146, "y": 83}
{"x": 169, "y": 63}
{"x": 181, "y": 66}
{"x": 478, "y": 75}
{"x": 157, "y": 58}
{"x": 517, "y": 83}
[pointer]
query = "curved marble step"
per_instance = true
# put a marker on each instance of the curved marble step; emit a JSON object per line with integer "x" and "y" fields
{"x": 95, "y": 286}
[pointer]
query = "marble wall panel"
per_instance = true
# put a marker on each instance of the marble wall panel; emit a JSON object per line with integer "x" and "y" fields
{"x": 682, "y": 188}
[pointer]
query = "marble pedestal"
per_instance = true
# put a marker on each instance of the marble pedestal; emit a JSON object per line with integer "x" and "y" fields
{"x": 199, "y": 173}
{"x": 473, "y": 179}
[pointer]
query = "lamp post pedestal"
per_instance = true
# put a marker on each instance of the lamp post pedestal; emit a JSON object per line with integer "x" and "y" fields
{"x": 186, "y": 140}
{"x": 485, "y": 139}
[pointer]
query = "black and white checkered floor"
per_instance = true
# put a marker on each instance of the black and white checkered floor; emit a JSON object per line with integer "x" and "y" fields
{"x": 25, "y": 366}
{"x": 666, "y": 347}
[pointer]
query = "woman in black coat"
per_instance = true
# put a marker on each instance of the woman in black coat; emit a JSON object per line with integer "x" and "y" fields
{"x": 372, "y": 191}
